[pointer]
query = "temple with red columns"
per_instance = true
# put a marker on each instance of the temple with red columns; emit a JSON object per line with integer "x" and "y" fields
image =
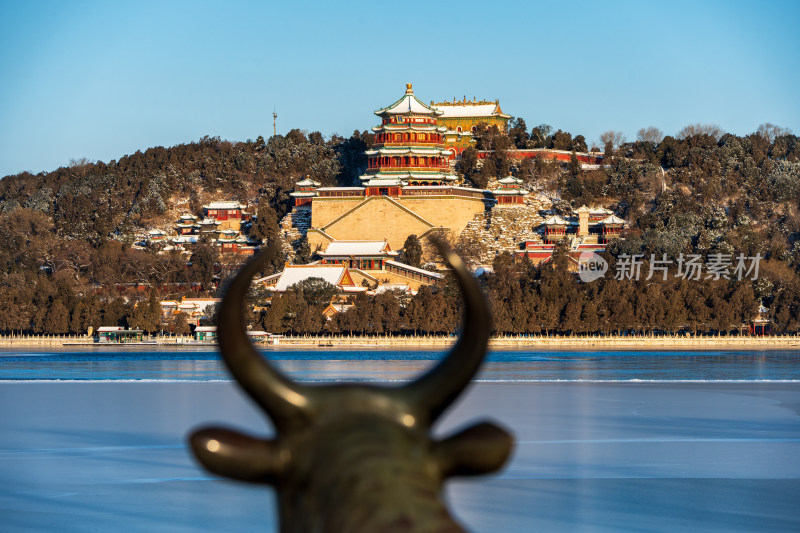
{"x": 409, "y": 149}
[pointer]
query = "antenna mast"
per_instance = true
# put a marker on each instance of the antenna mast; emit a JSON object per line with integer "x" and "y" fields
{"x": 274, "y": 121}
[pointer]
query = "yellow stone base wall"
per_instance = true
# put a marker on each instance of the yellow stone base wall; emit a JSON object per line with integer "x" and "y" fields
{"x": 379, "y": 218}
{"x": 317, "y": 240}
{"x": 325, "y": 210}
{"x": 454, "y": 213}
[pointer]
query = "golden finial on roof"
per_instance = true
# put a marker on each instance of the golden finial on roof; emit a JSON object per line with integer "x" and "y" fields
{"x": 408, "y": 89}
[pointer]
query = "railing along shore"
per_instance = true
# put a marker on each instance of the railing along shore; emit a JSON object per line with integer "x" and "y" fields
{"x": 23, "y": 339}
{"x": 442, "y": 341}
{"x": 553, "y": 341}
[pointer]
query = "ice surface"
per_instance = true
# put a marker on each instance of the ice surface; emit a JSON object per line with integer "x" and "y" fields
{"x": 79, "y": 457}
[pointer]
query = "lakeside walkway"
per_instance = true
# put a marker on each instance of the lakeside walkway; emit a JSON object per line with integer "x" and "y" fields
{"x": 633, "y": 342}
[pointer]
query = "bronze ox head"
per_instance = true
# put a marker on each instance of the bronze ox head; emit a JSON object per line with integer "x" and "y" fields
{"x": 355, "y": 458}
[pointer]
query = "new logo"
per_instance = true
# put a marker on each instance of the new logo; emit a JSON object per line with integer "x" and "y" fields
{"x": 591, "y": 266}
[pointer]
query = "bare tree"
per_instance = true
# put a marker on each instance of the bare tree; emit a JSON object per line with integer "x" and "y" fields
{"x": 650, "y": 134}
{"x": 712, "y": 130}
{"x": 80, "y": 167}
{"x": 771, "y": 132}
{"x": 611, "y": 140}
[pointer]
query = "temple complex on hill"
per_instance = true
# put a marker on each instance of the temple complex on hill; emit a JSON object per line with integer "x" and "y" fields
{"x": 460, "y": 120}
{"x": 587, "y": 230}
{"x": 225, "y": 225}
{"x": 409, "y": 186}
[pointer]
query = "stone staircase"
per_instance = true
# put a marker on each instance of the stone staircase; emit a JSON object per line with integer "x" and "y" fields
{"x": 293, "y": 228}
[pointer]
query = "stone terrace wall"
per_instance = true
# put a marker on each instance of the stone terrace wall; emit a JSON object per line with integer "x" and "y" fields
{"x": 498, "y": 230}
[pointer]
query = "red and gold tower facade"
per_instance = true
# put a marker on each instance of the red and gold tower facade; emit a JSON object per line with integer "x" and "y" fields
{"x": 409, "y": 149}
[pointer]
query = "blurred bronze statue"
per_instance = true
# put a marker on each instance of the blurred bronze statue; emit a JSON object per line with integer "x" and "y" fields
{"x": 355, "y": 458}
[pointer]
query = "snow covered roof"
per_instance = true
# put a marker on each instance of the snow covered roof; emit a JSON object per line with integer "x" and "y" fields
{"x": 348, "y": 248}
{"x": 469, "y": 109}
{"x": 443, "y": 188}
{"x": 415, "y": 151}
{"x": 510, "y": 180}
{"x": 461, "y": 133}
{"x": 392, "y": 287}
{"x": 510, "y": 192}
{"x": 338, "y": 308}
{"x": 486, "y": 110}
{"x": 267, "y": 279}
{"x": 408, "y": 104}
{"x": 555, "y": 220}
{"x": 224, "y": 205}
{"x": 322, "y": 189}
{"x": 200, "y": 303}
{"x": 294, "y": 274}
{"x": 383, "y": 182}
{"x": 432, "y": 174}
{"x": 613, "y": 219}
{"x": 302, "y": 194}
{"x": 407, "y": 127}
{"x": 415, "y": 269}
{"x": 308, "y": 182}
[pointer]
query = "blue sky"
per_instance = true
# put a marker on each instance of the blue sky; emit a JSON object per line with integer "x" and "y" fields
{"x": 104, "y": 79}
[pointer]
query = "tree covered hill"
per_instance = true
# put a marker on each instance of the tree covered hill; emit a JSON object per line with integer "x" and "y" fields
{"x": 98, "y": 201}
{"x": 66, "y": 260}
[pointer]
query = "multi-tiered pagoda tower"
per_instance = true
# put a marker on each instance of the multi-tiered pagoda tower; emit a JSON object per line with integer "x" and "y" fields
{"x": 409, "y": 149}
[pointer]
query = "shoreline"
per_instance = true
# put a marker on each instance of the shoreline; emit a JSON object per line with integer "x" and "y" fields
{"x": 442, "y": 342}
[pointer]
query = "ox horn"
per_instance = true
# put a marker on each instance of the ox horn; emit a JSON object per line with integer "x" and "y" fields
{"x": 284, "y": 400}
{"x": 434, "y": 391}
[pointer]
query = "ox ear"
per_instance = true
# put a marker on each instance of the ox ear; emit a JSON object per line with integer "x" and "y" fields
{"x": 478, "y": 449}
{"x": 287, "y": 403}
{"x": 232, "y": 454}
{"x": 433, "y": 392}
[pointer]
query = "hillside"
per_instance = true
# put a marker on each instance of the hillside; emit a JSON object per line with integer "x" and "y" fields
{"x": 67, "y": 260}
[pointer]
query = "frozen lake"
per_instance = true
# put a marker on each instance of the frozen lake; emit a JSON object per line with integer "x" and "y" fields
{"x": 605, "y": 442}
{"x": 327, "y": 364}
